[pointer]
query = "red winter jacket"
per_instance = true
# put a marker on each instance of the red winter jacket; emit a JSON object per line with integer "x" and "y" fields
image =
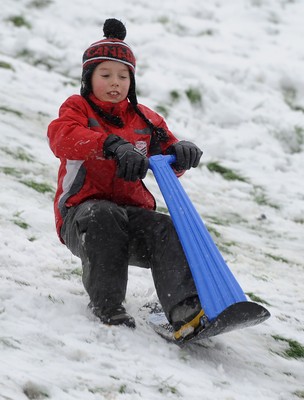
{"x": 77, "y": 139}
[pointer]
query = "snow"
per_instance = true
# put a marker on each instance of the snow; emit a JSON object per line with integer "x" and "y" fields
{"x": 245, "y": 59}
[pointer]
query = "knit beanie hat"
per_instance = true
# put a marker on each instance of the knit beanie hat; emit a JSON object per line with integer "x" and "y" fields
{"x": 113, "y": 48}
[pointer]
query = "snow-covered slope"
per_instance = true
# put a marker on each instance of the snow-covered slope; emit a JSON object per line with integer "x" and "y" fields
{"x": 227, "y": 75}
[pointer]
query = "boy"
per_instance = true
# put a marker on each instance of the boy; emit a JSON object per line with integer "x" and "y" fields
{"x": 104, "y": 213}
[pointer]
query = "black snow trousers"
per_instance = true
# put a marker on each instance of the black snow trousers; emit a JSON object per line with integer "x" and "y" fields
{"x": 108, "y": 238}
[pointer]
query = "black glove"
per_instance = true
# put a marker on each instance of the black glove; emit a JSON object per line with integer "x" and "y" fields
{"x": 131, "y": 163}
{"x": 187, "y": 155}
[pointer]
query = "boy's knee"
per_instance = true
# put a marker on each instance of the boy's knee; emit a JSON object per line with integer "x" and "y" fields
{"x": 163, "y": 226}
{"x": 105, "y": 211}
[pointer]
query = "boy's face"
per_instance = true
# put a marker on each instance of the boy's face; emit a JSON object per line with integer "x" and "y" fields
{"x": 111, "y": 81}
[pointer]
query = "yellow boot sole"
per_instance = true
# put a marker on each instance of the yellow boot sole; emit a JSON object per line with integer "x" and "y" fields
{"x": 189, "y": 327}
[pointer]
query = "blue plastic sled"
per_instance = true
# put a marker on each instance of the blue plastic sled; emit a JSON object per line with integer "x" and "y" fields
{"x": 217, "y": 287}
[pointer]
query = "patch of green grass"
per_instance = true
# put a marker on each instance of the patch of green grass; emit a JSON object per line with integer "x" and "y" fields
{"x": 21, "y": 283}
{"x": 21, "y": 224}
{"x": 291, "y": 138}
{"x": 207, "y": 32}
{"x": 122, "y": 388}
{"x": 299, "y": 131}
{"x": 232, "y": 218}
{"x": 225, "y": 247}
{"x": 22, "y": 155}
{"x": 163, "y": 19}
{"x": 11, "y": 111}
{"x": 32, "y": 59}
{"x": 19, "y": 21}
{"x": 273, "y": 18}
{"x": 34, "y": 392}
{"x": 18, "y": 154}
{"x": 277, "y": 258}
{"x": 298, "y": 108}
{"x": 226, "y": 173}
{"x": 40, "y": 3}
{"x": 213, "y": 231}
{"x": 231, "y": 243}
{"x": 54, "y": 300}
{"x": 257, "y": 299}
{"x": 295, "y": 349}
{"x": 96, "y": 390}
{"x": 163, "y": 110}
{"x": 194, "y": 96}
{"x": 217, "y": 221}
{"x": 180, "y": 29}
{"x": 289, "y": 94}
{"x": 262, "y": 277}
{"x": 72, "y": 83}
{"x": 47, "y": 63}
{"x": 19, "y": 221}
{"x": 174, "y": 95}
{"x": 25, "y": 53}
{"x": 6, "y": 65}
{"x": 290, "y": 97}
{"x": 261, "y": 199}
{"x": 68, "y": 274}
{"x": 39, "y": 187}
{"x": 10, "y": 171}
{"x": 76, "y": 271}
{"x": 169, "y": 389}
{"x": 10, "y": 342}
{"x": 43, "y": 114}
{"x": 163, "y": 210}
{"x": 299, "y": 138}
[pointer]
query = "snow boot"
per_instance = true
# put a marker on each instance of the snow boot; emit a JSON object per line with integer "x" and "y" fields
{"x": 116, "y": 315}
{"x": 186, "y": 317}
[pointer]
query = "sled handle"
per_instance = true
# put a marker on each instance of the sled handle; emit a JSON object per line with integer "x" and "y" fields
{"x": 160, "y": 158}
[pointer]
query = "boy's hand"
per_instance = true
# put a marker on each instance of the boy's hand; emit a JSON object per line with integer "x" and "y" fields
{"x": 187, "y": 155}
{"x": 131, "y": 163}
